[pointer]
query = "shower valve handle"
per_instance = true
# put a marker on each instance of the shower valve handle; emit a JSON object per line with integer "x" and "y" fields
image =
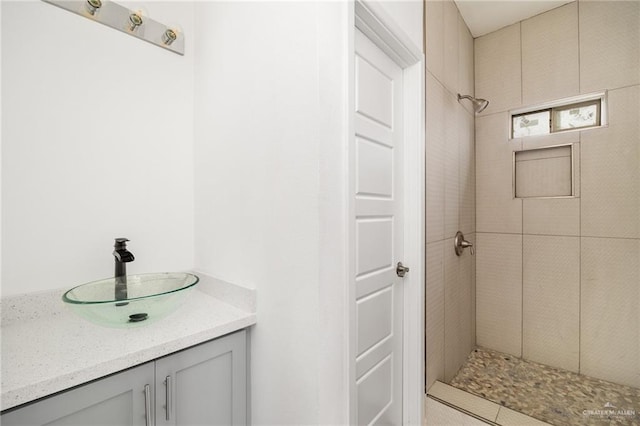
{"x": 459, "y": 244}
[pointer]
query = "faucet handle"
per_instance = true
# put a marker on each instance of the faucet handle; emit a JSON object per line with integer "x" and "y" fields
{"x": 121, "y": 243}
{"x": 459, "y": 244}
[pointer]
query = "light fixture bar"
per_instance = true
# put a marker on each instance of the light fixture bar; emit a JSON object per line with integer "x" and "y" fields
{"x": 127, "y": 21}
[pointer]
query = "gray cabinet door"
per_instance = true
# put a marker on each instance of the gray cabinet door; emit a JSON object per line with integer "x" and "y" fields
{"x": 203, "y": 385}
{"x": 115, "y": 400}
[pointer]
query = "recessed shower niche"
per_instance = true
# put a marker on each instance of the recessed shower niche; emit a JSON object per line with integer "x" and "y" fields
{"x": 544, "y": 172}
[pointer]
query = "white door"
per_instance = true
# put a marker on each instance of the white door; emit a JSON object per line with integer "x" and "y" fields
{"x": 378, "y": 231}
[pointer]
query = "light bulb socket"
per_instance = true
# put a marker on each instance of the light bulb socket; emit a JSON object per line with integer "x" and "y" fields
{"x": 135, "y": 20}
{"x": 93, "y": 6}
{"x": 169, "y": 36}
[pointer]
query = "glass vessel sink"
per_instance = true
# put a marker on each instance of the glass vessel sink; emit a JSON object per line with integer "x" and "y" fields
{"x": 149, "y": 298}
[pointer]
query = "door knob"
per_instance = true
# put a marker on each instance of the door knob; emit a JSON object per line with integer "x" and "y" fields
{"x": 401, "y": 270}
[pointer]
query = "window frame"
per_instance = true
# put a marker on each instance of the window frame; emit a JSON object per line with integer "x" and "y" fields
{"x": 599, "y": 99}
{"x": 554, "y": 124}
{"x": 537, "y": 111}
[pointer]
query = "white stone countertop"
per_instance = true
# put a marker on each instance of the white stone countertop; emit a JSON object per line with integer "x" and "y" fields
{"x": 46, "y": 348}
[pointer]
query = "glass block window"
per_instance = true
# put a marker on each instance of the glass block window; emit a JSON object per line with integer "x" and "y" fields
{"x": 570, "y": 114}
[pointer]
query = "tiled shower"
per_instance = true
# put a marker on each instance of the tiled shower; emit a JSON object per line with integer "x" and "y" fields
{"x": 554, "y": 280}
{"x": 450, "y": 194}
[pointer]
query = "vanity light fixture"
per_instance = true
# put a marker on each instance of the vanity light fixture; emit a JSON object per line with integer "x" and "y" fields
{"x": 93, "y": 6}
{"x": 135, "y": 22}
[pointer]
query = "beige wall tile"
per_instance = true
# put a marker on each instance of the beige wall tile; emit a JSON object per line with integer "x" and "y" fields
{"x": 498, "y": 69}
{"x": 623, "y": 107}
{"x": 564, "y": 138}
{"x": 435, "y": 161}
{"x": 610, "y": 175}
{"x": 507, "y": 417}
{"x": 466, "y": 401}
{"x": 551, "y": 300}
{"x": 435, "y": 313}
{"x": 496, "y": 209}
{"x": 434, "y": 33}
{"x": 451, "y": 166}
{"x": 457, "y": 296}
{"x": 609, "y": 44}
{"x": 550, "y": 55}
{"x": 499, "y": 292}
{"x": 465, "y": 62}
{"x": 555, "y": 216}
{"x": 610, "y": 323}
{"x": 467, "y": 173}
{"x": 440, "y": 414}
{"x": 450, "y": 75}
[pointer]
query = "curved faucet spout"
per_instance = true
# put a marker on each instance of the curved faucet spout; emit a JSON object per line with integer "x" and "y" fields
{"x": 123, "y": 255}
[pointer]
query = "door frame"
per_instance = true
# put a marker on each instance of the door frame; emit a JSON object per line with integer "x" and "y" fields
{"x": 370, "y": 18}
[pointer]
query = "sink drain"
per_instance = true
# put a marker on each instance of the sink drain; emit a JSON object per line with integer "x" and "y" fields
{"x": 138, "y": 317}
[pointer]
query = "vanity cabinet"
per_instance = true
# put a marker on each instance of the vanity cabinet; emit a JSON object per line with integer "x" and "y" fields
{"x": 201, "y": 385}
{"x": 115, "y": 400}
{"x": 204, "y": 385}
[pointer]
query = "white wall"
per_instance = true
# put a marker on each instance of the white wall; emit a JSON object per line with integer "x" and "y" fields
{"x": 409, "y": 14}
{"x": 97, "y": 141}
{"x": 271, "y": 90}
{"x": 270, "y": 111}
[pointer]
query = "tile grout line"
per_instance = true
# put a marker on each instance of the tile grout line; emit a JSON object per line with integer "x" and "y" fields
{"x": 474, "y": 261}
{"x": 444, "y": 215}
{"x": 522, "y": 280}
{"x": 521, "y": 252}
{"x": 580, "y": 256}
{"x": 521, "y": 71}
{"x": 579, "y": 210}
{"x": 444, "y": 315}
{"x": 579, "y": 73}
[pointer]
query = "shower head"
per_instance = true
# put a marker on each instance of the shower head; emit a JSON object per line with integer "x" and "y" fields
{"x": 478, "y": 104}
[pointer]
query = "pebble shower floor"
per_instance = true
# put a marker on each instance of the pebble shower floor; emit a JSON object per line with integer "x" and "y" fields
{"x": 558, "y": 397}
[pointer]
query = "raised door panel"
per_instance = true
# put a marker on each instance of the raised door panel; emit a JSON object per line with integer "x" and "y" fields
{"x": 374, "y": 239}
{"x": 375, "y": 168}
{"x": 375, "y": 97}
{"x": 115, "y": 400}
{"x": 206, "y": 384}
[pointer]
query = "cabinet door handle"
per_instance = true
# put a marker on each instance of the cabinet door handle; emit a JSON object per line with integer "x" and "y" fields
{"x": 147, "y": 405}
{"x": 168, "y": 396}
